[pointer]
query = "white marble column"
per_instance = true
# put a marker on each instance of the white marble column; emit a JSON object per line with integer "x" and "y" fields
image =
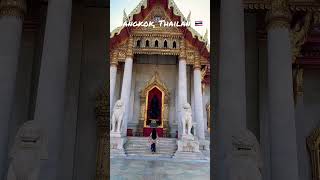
{"x": 126, "y": 85}
{"x": 182, "y": 84}
{"x": 50, "y": 104}
{"x": 113, "y": 78}
{"x": 284, "y": 164}
{"x": 11, "y": 20}
{"x": 182, "y": 81}
{"x": 231, "y": 108}
{"x": 198, "y": 104}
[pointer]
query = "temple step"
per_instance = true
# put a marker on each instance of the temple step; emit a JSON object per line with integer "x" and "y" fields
{"x": 140, "y": 147}
{"x": 190, "y": 156}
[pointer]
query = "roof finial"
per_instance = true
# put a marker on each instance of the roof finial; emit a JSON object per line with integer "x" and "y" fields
{"x": 125, "y": 17}
{"x": 189, "y": 16}
{"x": 206, "y": 35}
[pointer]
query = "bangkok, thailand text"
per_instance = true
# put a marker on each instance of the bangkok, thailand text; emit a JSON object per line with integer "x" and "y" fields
{"x": 162, "y": 23}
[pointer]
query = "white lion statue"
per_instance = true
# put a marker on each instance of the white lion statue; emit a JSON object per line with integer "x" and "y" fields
{"x": 29, "y": 148}
{"x": 117, "y": 116}
{"x": 245, "y": 162}
{"x": 186, "y": 119}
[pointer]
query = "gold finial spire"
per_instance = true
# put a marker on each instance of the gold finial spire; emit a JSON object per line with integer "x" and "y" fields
{"x": 125, "y": 17}
{"x": 189, "y": 16}
{"x": 206, "y": 35}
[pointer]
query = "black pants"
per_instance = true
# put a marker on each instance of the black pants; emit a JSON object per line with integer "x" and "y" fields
{"x": 153, "y": 147}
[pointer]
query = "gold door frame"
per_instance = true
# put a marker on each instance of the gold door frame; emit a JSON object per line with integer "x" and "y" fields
{"x": 146, "y": 107}
{"x": 154, "y": 82}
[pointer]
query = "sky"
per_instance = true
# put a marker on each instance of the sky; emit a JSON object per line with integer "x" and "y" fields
{"x": 200, "y": 10}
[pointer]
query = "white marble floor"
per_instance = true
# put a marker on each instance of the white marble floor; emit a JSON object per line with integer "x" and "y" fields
{"x": 133, "y": 169}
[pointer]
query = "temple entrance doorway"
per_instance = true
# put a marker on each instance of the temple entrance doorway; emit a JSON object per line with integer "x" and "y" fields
{"x": 154, "y": 106}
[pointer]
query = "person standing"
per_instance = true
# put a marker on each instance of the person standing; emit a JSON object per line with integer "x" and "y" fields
{"x": 153, "y": 140}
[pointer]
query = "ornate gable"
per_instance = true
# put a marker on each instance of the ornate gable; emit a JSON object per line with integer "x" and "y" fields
{"x": 160, "y": 40}
{"x": 157, "y": 13}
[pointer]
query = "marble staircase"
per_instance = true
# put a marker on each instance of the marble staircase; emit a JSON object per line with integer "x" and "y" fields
{"x": 140, "y": 147}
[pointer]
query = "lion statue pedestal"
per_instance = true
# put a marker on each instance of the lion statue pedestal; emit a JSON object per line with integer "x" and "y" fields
{"x": 188, "y": 145}
{"x": 188, "y": 149}
{"x": 116, "y": 146}
{"x": 117, "y": 140}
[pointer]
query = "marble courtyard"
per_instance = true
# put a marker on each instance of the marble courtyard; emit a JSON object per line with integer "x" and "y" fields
{"x": 131, "y": 169}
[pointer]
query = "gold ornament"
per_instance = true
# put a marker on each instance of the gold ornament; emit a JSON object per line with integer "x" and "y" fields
{"x": 114, "y": 57}
{"x": 182, "y": 50}
{"x": 279, "y": 15}
{"x": 197, "y": 64}
{"x": 16, "y": 8}
{"x": 130, "y": 47}
{"x": 204, "y": 72}
{"x": 313, "y": 142}
{"x": 299, "y": 35}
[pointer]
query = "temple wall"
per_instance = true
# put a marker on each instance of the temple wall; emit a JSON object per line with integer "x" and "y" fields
{"x": 143, "y": 70}
{"x": 142, "y": 74}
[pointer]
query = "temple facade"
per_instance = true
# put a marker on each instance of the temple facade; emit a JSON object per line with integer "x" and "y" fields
{"x": 159, "y": 80}
{"x": 154, "y": 70}
{"x": 57, "y": 102}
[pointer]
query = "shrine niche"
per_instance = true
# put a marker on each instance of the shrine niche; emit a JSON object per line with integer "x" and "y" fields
{"x": 154, "y": 105}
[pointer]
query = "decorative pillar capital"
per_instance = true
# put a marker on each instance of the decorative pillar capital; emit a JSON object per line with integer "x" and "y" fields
{"x": 182, "y": 49}
{"x": 114, "y": 57}
{"x": 197, "y": 64}
{"x": 130, "y": 46}
{"x": 279, "y": 15}
{"x": 16, "y": 8}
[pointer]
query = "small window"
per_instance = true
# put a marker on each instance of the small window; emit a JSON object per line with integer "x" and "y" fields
{"x": 138, "y": 43}
{"x": 147, "y": 43}
{"x": 156, "y": 43}
{"x": 165, "y": 44}
{"x": 156, "y": 19}
{"x": 174, "y": 45}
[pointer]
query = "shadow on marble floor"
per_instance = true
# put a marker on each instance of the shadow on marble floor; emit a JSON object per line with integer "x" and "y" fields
{"x": 130, "y": 169}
